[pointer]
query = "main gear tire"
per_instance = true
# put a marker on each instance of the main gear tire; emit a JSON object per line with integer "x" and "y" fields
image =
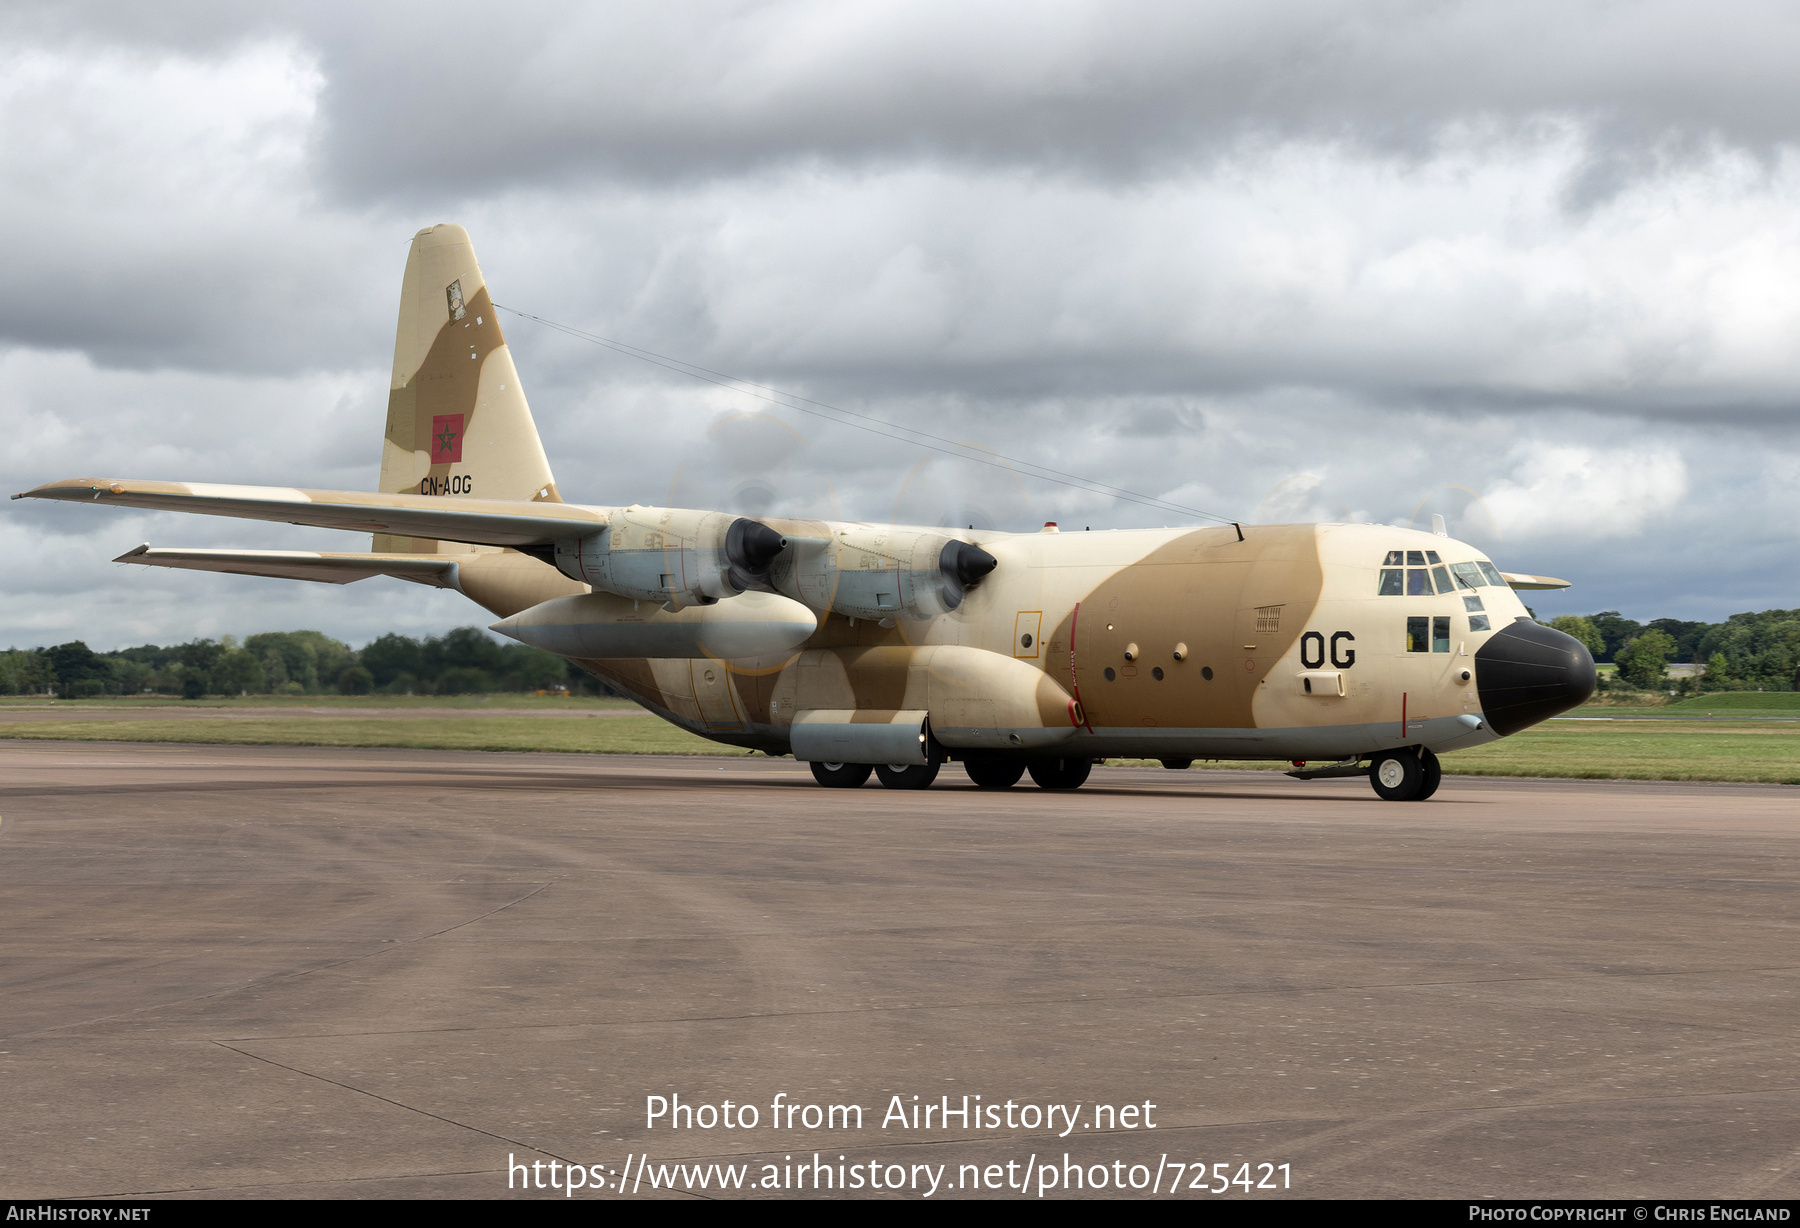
{"x": 1058, "y": 773}
{"x": 994, "y": 773}
{"x": 907, "y": 776}
{"x": 841, "y": 775}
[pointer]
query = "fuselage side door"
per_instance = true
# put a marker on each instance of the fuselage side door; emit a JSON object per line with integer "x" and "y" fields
{"x": 1027, "y": 628}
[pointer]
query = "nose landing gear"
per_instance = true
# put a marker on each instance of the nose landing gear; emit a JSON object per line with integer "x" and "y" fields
{"x": 1410, "y": 774}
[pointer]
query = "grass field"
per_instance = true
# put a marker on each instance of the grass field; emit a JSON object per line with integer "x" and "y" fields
{"x": 348, "y": 703}
{"x": 1618, "y": 750}
{"x": 1731, "y": 703}
{"x": 623, "y": 735}
{"x": 1779, "y": 701}
{"x": 1641, "y": 750}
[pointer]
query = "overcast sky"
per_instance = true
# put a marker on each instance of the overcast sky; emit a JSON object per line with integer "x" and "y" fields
{"x": 1535, "y": 266}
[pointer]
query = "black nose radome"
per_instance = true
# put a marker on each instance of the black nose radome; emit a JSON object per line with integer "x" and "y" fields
{"x": 1528, "y": 672}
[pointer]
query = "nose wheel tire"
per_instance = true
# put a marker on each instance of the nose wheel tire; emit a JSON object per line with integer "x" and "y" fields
{"x": 1052, "y": 773}
{"x": 1410, "y": 774}
{"x": 1434, "y": 774}
{"x": 841, "y": 775}
{"x": 994, "y": 773}
{"x": 905, "y": 776}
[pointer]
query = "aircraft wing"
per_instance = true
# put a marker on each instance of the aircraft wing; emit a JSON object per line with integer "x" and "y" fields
{"x": 481, "y": 522}
{"x": 1517, "y": 580}
{"x": 436, "y": 570}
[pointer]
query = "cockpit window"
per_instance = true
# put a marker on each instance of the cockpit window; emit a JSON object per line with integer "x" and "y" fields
{"x": 1424, "y": 574}
{"x": 1468, "y": 575}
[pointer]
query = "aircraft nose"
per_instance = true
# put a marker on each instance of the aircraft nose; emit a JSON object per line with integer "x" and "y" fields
{"x": 1528, "y": 672}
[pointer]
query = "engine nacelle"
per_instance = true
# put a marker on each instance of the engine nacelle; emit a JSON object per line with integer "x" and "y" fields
{"x": 881, "y": 572}
{"x": 672, "y": 556}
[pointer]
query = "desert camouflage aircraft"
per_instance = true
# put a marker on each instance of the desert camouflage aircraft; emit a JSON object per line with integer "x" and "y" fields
{"x": 1361, "y": 649}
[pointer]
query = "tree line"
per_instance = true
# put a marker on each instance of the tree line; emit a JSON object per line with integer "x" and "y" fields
{"x": 465, "y": 661}
{"x": 1746, "y": 652}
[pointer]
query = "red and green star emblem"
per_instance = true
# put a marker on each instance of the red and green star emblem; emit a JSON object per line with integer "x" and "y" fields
{"x": 446, "y": 439}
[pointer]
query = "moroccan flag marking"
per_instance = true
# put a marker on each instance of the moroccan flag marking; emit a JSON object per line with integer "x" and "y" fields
{"x": 446, "y": 439}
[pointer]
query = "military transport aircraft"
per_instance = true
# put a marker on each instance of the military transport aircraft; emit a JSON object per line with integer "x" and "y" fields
{"x": 1359, "y": 649}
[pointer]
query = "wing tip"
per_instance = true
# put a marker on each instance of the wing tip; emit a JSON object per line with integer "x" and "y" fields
{"x": 73, "y": 488}
{"x": 1519, "y": 580}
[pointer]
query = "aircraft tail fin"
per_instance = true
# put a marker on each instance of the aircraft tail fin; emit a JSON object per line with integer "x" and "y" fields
{"x": 457, "y": 423}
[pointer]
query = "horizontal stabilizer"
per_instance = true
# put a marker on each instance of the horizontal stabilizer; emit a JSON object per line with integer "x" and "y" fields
{"x": 1524, "y": 581}
{"x": 436, "y": 570}
{"x": 481, "y": 522}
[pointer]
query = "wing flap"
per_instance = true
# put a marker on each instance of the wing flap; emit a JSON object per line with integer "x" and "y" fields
{"x": 480, "y": 522}
{"x": 436, "y": 570}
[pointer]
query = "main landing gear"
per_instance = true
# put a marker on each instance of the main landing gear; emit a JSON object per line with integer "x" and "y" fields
{"x": 1047, "y": 772}
{"x": 1410, "y": 774}
{"x": 903, "y": 776}
{"x": 891, "y": 775}
{"x": 1060, "y": 773}
{"x": 994, "y": 773}
{"x": 841, "y": 775}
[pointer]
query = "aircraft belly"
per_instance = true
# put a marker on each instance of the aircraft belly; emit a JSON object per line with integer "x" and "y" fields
{"x": 667, "y": 688}
{"x": 715, "y": 696}
{"x": 674, "y": 679}
{"x": 1312, "y": 743}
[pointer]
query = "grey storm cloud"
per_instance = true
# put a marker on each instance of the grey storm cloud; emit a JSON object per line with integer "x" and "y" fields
{"x": 1532, "y": 266}
{"x": 459, "y": 96}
